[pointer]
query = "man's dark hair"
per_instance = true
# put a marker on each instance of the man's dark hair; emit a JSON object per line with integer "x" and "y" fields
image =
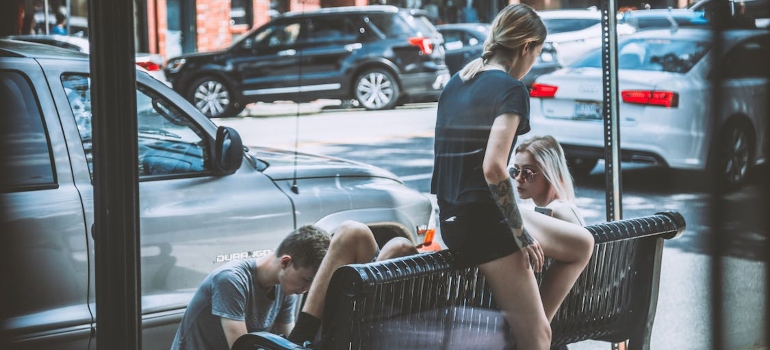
{"x": 306, "y": 246}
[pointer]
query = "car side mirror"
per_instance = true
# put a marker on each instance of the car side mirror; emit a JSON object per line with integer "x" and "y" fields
{"x": 229, "y": 150}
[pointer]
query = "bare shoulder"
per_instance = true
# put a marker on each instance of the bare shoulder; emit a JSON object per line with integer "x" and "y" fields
{"x": 564, "y": 211}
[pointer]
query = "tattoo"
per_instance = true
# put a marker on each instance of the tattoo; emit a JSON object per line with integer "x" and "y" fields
{"x": 503, "y": 195}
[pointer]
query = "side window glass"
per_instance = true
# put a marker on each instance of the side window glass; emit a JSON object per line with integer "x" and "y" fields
{"x": 169, "y": 142}
{"x": 329, "y": 30}
{"x": 24, "y": 153}
{"x": 390, "y": 25}
{"x": 280, "y": 34}
{"x": 453, "y": 40}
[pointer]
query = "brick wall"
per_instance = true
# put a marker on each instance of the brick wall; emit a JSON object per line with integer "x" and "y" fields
{"x": 213, "y": 22}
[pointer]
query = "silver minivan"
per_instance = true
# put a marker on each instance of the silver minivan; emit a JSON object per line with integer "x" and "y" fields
{"x": 197, "y": 210}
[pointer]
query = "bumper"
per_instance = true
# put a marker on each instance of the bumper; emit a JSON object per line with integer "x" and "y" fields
{"x": 424, "y": 86}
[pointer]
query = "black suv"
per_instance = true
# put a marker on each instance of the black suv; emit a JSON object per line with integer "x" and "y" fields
{"x": 379, "y": 55}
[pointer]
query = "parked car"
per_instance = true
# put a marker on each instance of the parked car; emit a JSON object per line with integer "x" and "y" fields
{"x": 573, "y": 33}
{"x": 666, "y": 98}
{"x": 464, "y": 42}
{"x": 759, "y": 9}
{"x": 203, "y": 200}
{"x": 664, "y": 18}
{"x": 152, "y": 63}
{"x": 379, "y": 55}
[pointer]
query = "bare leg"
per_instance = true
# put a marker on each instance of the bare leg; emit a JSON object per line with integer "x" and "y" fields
{"x": 569, "y": 245}
{"x": 397, "y": 247}
{"x": 515, "y": 290}
{"x": 352, "y": 243}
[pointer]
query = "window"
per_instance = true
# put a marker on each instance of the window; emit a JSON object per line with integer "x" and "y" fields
{"x": 662, "y": 55}
{"x": 330, "y": 29}
{"x": 568, "y": 24}
{"x": 279, "y": 34}
{"x": 169, "y": 142}
{"x": 390, "y": 25}
{"x": 24, "y": 153}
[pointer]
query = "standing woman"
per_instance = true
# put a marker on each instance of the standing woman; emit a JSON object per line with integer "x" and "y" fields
{"x": 480, "y": 113}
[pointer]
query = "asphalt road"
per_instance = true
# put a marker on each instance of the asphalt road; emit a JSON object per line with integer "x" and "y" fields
{"x": 401, "y": 141}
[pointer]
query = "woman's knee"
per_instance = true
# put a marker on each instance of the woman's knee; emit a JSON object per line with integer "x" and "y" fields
{"x": 353, "y": 236}
{"x": 586, "y": 246}
{"x": 397, "y": 247}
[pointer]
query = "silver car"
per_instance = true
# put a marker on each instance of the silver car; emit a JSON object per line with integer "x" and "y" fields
{"x": 197, "y": 210}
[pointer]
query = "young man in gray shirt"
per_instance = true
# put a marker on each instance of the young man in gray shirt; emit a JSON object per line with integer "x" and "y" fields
{"x": 254, "y": 295}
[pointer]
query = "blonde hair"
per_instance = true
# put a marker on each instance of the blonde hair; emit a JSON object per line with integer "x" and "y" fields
{"x": 516, "y": 26}
{"x": 549, "y": 155}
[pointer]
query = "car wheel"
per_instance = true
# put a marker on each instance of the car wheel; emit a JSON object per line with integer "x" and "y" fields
{"x": 733, "y": 154}
{"x": 376, "y": 89}
{"x": 214, "y": 98}
{"x": 581, "y": 167}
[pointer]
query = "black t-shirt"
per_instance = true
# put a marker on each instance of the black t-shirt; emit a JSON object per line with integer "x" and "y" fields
{"x": 466, "y": 111}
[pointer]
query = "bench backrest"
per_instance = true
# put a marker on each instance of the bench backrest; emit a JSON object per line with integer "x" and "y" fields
{"x": 430, "y": 301}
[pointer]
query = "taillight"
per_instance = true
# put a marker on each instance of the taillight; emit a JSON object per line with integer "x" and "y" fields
{"x": 150, "y": 66}
{"x": 646, "y": 97}
{"x": 542, "y": 90}
{"x": 425, "y": 44}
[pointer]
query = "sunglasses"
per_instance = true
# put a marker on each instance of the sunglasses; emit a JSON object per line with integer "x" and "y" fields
{"x": 526, "y": 174}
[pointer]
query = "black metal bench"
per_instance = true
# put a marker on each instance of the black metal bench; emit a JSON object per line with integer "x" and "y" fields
{"x": 428, "y": 301}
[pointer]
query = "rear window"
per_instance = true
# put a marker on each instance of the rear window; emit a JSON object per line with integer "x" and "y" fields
{"x": 661, "y": 55}
{"x": 562, "y": 25}
{"x": 397, "y": 25}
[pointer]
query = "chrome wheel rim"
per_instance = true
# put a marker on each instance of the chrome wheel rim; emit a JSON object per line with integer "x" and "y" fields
{"x": 736, "y": 156}
{"x": 374, "y": 90}
{"x": 211, "y": 98}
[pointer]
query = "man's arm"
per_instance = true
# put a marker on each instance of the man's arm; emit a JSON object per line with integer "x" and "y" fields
{"x": 233, "y": 330}
{"x": 283, "y": 328}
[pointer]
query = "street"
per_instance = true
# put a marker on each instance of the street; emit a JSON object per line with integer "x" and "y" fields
{"x": 401, "y": 141}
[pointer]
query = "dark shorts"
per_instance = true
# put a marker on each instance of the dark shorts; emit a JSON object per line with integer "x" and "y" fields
{"x": 477, "y": 232}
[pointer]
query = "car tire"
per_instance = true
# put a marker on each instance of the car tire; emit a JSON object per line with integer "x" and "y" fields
{"x": 376, "y": 89}
{"x": 581, "y": 167}
{"x": 732, "y": 155}
{"x": 214, "y": 98}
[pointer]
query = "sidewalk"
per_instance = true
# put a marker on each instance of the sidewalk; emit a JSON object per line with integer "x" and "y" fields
{"x": 288, "y": 108}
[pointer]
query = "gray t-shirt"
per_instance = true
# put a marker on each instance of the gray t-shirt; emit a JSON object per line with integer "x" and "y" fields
{"x": 231, "y": 292}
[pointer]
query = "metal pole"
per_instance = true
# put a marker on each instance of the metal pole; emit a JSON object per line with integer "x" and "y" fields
{"x": 718, "y": 241}
{"x": 45, "y": 16}
{"x": 611, "y": 109}
{"x": 116, "y": 188}
{"x": 69, "y": 15}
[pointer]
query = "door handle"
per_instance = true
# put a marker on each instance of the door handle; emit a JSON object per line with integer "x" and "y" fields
{"x": 351, "y": 47}
{"x": 289, "y": 52}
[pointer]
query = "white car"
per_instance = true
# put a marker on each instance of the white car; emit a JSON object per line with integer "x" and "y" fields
{"x": 575, "y": 32}
{"x": 665, "y": 102}
{"x": 151, "y": 63}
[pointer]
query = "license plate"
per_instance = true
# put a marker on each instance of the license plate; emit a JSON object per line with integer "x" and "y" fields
{"x": 588, "y": 110}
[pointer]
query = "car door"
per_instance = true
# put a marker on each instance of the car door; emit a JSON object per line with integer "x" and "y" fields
{"x": 192, "y": 219}
{"x": 267, "y": 61}
{"x": 325, "y": 45}
{"x": 43, "y": 237}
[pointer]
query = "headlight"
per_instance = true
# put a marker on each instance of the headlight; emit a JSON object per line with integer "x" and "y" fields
{"x": 175, "y": 65}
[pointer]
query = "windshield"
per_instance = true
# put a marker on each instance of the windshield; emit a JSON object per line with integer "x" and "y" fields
{"x": 651, "y": 54}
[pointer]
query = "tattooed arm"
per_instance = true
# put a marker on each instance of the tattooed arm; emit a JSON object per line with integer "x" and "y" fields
{"x": 503, "y": 195}
{"x": 501, "y": 185}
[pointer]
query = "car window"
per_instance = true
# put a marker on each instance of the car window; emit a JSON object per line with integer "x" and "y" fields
{"x": 422, "y": 24}
{"x": 677, "y": 56}
{"x": 24, "y": 153}
{"x": 329, "y": 29}
{"x": 390, "y": 25}
{"x": 169, "y": 142}
{"x": 278, "y": 34}
{"x": 561, "y": 25}
{"x": 453, "y": 39}
{"x": 747, "y": 59}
